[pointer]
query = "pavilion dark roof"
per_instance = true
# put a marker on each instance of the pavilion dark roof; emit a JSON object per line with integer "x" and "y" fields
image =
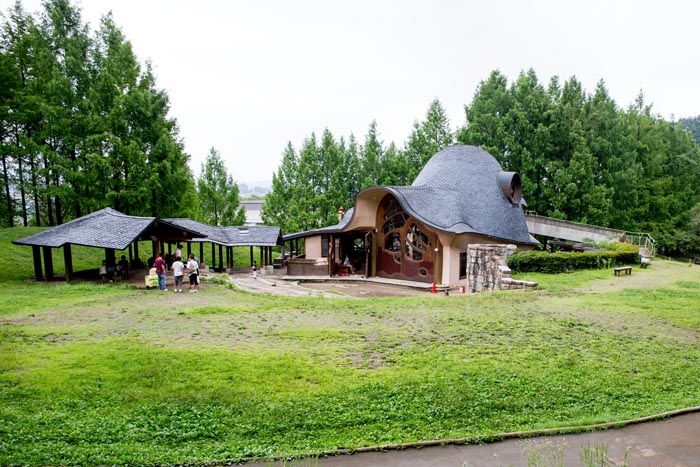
{"x": 105, "y": 228}
{"x": 232, "y": 235}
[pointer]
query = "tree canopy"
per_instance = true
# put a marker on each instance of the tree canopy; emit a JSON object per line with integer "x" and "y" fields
{"x": 218, "y": 194}
{"x": 581, "y": 158}
{"x": 84, "y": 125}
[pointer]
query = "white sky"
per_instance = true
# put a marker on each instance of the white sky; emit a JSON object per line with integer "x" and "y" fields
{"x": 246, "y": 77}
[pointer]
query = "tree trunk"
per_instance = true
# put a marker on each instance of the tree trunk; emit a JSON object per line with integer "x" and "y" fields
{"x": 6, "y": 179}
{"x": 49, "y": 204}
{"x": 76, "y": 188}
{"x": 59, "y": 213}
{"x": 35, "y": 192}
{"x": 23, "y": 195}
{"x": 20, "y": 178}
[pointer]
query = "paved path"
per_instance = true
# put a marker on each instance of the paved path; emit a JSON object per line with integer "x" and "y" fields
{"x": 329, "y": 287}
{"x": 275, "y": 286}
{"x": 674, "y": 442}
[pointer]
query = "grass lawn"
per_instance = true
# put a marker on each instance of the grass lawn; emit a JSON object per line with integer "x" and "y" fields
{"x": 98, "y": 375}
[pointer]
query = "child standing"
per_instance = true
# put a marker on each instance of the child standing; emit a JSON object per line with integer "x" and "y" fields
{"x": 178, "y": 273}
{"x": 255, "y": 270}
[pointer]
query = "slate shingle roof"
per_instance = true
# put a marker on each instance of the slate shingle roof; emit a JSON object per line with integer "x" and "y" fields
{"x": 457, "y": 191}
{"x": 108, "y": 228}
{"x": 233, "y": 235}
{"x": 105, "y": 228}
{"x": 330, "y": 229}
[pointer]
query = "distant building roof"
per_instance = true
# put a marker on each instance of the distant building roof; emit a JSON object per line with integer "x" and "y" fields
{"x": 232, "y": 235}
{"x": 105, "y": 228}
{"x": 253, "y": 211}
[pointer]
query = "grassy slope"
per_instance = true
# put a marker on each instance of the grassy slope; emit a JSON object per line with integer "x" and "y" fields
{"x": 96, "y": 375}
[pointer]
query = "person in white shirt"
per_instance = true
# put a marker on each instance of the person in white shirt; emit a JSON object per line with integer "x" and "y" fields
{"x": 178, "y": 273}
{"x": 193, "y": 270}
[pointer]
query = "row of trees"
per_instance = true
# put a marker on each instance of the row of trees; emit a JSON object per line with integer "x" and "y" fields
{"x": 581, "y": 158}
{"x": 312, "y": 183}
{"x": 84, "y": 126}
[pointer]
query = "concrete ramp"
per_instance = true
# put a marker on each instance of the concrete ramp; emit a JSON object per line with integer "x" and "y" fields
{"x": 573, "y": 231}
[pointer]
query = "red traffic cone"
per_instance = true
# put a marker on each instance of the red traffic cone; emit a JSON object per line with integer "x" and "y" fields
{"x": 434, "y": 288}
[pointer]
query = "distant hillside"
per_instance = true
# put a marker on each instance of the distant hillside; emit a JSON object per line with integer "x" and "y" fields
{"x": 259, "y": 188}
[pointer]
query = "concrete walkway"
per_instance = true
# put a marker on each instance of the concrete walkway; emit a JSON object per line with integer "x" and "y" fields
{"x": 337, "y": 286}
{"x": 674, "y": 442}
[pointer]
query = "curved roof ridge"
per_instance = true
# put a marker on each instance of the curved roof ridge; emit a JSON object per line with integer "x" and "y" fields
{"x": 458, "y": 191}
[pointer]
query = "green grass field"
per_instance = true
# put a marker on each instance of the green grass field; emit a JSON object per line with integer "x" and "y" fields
{"x": 96, "y": 374}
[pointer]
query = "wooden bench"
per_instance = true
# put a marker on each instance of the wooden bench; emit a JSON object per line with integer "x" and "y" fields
{"x": 626, "y": 269}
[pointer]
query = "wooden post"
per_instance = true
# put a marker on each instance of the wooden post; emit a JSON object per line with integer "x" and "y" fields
{"x": 189, "y": 248}
{"x": 213, "y": 256}
{"x": 201, "y": 252}
{"x": 111, "y": 260}
{"x": 68, "y": 261}
{"x": 48, "y": 263}
{"x": 36, "y": 252}
{"x": 136, "y": 250}
{"x": 251, "y": 255}
{"x": 221, "y": 256}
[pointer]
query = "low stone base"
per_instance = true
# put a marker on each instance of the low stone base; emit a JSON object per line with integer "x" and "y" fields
{"x": 487, "y": 269}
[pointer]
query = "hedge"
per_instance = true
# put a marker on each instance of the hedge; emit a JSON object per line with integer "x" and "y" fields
{"x": 554, "y": 263}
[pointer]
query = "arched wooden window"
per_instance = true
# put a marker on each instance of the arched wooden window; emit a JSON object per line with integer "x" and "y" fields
{"x": 405, "y": 246}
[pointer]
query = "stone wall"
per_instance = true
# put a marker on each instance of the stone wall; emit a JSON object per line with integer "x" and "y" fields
{"x": 487, "y": 269}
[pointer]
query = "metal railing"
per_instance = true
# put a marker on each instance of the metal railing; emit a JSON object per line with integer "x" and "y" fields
{"x": 642, "y": 240}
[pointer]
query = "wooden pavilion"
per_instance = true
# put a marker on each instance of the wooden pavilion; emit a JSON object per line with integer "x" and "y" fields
{"x": 224, "y": 239}
{"x": 106, "y": 228}
{"x": 114, "y": 231}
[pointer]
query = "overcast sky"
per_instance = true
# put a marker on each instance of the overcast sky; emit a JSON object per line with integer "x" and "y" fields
{"x": 246, "y": 77}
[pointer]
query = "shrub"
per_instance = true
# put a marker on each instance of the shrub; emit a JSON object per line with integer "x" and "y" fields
{"x": 554, "y": 263}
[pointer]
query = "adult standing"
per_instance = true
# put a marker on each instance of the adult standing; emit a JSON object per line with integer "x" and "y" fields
{"x": 193, "y": 270}
{"x": 160, "y": 271}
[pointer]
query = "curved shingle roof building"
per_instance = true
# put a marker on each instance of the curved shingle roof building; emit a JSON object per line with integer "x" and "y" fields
{"x": 462, "y": 189}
